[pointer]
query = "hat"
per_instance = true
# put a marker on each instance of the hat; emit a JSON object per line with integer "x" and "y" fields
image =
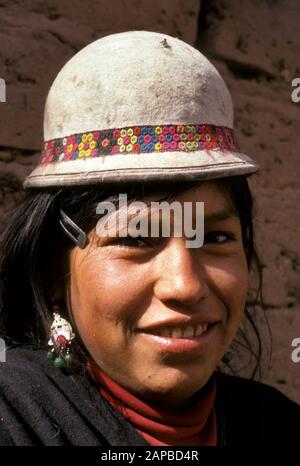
{"x": 138, "y": 106}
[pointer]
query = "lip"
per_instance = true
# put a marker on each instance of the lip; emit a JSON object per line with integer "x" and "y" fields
{"x": 181, "y": 345}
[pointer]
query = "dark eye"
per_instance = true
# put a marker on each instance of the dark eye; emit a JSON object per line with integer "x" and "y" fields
{"x": 131, "y": 242}
{"x": 218, "y": 237}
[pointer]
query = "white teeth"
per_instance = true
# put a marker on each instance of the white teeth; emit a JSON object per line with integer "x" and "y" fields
{"x": 176, "y": 332}
{"x": 188, "y": 331}
{"x": 182, "y": 332}
{"x": 199, "y": 330}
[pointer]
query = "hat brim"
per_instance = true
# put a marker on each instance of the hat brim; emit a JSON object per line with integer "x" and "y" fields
{"x": 172, "y": 166}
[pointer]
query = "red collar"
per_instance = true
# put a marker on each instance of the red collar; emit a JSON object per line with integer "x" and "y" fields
{"x": 192, "y": 425}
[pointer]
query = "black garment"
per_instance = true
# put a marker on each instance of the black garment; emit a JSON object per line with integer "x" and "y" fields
{"x": 42, "y": 405}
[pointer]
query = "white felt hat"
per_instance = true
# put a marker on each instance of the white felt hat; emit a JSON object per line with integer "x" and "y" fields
{"x": 138, "y": 106}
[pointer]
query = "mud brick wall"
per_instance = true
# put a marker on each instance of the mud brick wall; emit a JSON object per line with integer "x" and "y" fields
{"x": 255, "y": 46}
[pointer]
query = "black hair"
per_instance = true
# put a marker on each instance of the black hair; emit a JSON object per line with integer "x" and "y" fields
{"x": 33, "y": 253}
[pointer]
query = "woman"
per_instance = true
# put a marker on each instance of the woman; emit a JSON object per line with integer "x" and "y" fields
{"x": 115, "y": 339}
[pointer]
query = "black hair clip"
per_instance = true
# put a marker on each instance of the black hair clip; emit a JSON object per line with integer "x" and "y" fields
{"x": 81, "y": 238}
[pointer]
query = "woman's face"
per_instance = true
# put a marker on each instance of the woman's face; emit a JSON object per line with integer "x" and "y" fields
{"x": 124, "y": 293}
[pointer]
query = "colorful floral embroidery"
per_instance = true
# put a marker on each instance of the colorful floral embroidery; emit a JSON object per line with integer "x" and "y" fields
{"x": 139, "y": 139}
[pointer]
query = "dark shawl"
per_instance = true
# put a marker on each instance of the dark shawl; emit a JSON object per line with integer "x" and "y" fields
{"x": 43, "y": 405}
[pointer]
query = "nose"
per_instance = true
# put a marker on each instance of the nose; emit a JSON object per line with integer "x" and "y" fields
{"x": 181, "y": 275}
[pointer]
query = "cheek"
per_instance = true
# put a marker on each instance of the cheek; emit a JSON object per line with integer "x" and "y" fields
{"x": 230, "y": 284}
{"x": 104, "y": 304}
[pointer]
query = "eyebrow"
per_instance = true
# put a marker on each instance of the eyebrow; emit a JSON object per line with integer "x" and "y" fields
{"x": 224, "y": 214}
{"x": 221, "y": 215}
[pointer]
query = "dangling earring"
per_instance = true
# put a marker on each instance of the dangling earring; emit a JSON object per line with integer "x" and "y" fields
{"x": 61, "y": 336}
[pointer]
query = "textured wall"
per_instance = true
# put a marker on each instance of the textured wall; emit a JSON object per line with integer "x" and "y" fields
{"x": 255, "y": 46}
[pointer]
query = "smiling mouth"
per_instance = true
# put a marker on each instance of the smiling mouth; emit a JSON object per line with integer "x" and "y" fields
{"x": 183, "y": 332}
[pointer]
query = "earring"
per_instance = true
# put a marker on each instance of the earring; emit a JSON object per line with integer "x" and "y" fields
{"x": 227, "y": 357}
{"x": 61, "y": 336}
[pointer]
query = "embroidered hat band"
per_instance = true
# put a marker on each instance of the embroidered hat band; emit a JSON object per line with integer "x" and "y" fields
{"x": 138, "y": 106}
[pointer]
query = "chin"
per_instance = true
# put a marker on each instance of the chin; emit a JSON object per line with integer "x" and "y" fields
{"x": 175, "y": 387}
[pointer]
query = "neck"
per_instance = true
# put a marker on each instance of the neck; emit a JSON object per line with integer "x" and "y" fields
{"x": 188, "y": 421}
{"x": 174, "y": 401}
